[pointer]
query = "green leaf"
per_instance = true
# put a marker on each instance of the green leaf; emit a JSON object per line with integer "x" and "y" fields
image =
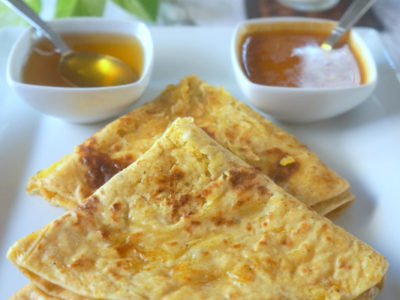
{"x": 78, "y": 8}
{"x": 8, "y": 17}
{"x": 144, "y": 9}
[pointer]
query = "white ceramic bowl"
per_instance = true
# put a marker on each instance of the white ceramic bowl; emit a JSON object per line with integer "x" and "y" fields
{"x": 296, "y": 104}
{"x": 76, "y": 104}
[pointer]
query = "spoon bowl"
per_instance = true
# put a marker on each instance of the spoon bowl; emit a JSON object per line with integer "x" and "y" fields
{"x": 89, "y": 69}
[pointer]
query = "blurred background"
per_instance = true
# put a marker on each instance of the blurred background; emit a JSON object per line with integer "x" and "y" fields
{"x": 384, "y": 15}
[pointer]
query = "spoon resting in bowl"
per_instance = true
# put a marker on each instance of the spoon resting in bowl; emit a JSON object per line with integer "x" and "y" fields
{"x": 355, "y": 11}
{"x": 326, "y": 66}
{"x": 79, "y": 68}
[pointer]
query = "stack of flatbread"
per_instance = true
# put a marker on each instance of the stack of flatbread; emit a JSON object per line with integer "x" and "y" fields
{"x": 202, "y": 207}
{"x": 231, "y": 123}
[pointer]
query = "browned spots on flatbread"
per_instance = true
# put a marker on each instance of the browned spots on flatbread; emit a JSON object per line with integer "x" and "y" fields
{"x": 303, "y": 227}
{"x": 181, "y": 205}
{"x": 195, "y": 223}
{"x": 161, "y": 180}
{"x": 187, "y": 273}
{"x": 278, "y": 172}
{"x": 343, "y": 264}
{"x": 177, "y": 206}
{"x": 176, "y": 174}
{"x": 210, "y": 133}
{"x": 90, "y": 205}
{"x": 205, "y": 192}
{"x": 287, "y": 242}
{"x": 262, "y": 189}
{"x": 172, "y": 243}
{"x": 116, "y": 210}
{"x": 262, "y": 242}
{"x": 91, "y": 142}
{"x": 82, "y": 262}
{"x": 245, "y": 140}
{"x": 104, "y": 232}
{"x": 240, "y": 177}
{"x": 180, "y": 202}
{"x": 127, "y": 248}
{"x": 229, "y": 134}
{"x": 249, "y": 227}
{"x": 116, "y": 206}
{"x": 100, "y": 166}
{"x": 125, "y": 160}
{"x": 244, "y": 179}
{"x": 219, "y": 220}
{"x": 268, "y": 259}
{"x": 305, "y": 270}
{"x": 136, "y": 235}
{"x": 240, "y": 202}
{"x": 116, "y": 147}
{"x": 244, "y": 273}
{"x": 127, "y": 264}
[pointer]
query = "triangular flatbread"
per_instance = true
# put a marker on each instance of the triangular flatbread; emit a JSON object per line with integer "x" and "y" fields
{"x": 189, "y": 220}
{"x": 231, "y": 123}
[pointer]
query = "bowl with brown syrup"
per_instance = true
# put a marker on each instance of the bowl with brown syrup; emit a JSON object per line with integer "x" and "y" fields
{"x": 282, "y": 69}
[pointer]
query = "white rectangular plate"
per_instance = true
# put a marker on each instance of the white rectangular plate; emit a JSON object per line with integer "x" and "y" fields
{"x": 362, "y": 145}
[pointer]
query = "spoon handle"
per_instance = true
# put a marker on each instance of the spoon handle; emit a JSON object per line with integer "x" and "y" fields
{"x": 28, "y": 14}
{"x": 355, "y": 11}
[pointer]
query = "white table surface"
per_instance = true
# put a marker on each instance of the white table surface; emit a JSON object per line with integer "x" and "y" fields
{"x": 362, "y": 145}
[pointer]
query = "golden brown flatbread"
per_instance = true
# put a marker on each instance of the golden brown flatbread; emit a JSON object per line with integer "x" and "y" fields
{"x": 231, "y": 123}
{"x": 31, "y": 292}
{"x": 189, "y": 220}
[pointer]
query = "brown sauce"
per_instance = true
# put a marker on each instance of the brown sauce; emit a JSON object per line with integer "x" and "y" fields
{"x": 41, "y": 66}
{"x": 283, "y": 56}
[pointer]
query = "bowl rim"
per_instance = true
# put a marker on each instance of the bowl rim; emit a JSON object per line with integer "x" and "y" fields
{"x": 365, "y": 52}
{"x": 148, "y": 50}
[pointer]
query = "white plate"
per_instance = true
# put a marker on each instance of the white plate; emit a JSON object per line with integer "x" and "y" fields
{"x": 362, "y": 145}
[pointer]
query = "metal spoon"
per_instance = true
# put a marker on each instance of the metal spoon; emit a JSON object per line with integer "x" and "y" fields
{"x": 79, "y": 68}
{"x": 355, "y": 11}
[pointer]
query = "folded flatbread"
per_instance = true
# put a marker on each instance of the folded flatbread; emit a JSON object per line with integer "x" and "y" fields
{"x": 31, "y": 292}
{"x": 189, "y": 220}
{"x": 231, "y": 123}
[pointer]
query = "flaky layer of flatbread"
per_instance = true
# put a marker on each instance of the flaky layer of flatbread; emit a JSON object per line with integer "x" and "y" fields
{"x": 189, "y": 220}
{"x": 31, "y": 292}
{"x": 231, "y": 123}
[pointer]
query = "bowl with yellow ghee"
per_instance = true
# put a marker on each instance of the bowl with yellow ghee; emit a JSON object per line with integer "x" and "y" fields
{"x": 33, "y": 73}
{"x": 282, "y": 69}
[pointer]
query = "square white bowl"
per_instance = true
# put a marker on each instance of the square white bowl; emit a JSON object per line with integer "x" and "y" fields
{"x": 82, "y": 104}
{"x": 297, "y": 104}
